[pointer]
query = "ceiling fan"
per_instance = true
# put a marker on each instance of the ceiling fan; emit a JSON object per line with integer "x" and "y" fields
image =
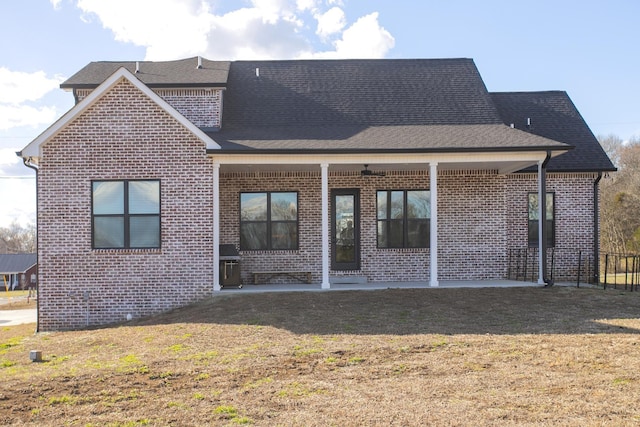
{"x": 367, "y": 172}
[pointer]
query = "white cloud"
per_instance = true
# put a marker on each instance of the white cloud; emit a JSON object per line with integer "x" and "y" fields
{"x": 169, "y": 29}
{"x": 56, "y": 4}
{"x": 331, "y": 22}
{"x": 19, "y": 89}
{"x": 12, "y": 116}
{"x": 265, "y": 29}
{"x": 364, "y": 39}
{"x": 303, "y": 5}
{"x": 19, "y": 196}
{"x": 17, "y": 190}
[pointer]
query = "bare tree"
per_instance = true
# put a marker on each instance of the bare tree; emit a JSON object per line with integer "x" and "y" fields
{"x": 621, "y": 197}
{"x": 612, "y": 144}
{"x": 16, "y": 239}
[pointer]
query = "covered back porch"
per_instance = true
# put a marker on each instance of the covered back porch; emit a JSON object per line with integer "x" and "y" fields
{"x": 498, "y": 162}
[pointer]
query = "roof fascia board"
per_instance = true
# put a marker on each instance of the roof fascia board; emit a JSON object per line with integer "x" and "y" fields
{"x": 526, "y": 157}
{"x": 69, "y": 87}
{"x": 556, "y": 150}
{"x": 33, "y": 148}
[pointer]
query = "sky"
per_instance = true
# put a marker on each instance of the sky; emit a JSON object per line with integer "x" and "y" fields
{"x": 589, "y": 48}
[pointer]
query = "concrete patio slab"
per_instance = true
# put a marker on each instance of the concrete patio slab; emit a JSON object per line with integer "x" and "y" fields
{"x": 444, "y": 284}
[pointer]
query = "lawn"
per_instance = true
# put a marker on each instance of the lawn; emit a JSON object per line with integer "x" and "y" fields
{"x": 522, "y": 356}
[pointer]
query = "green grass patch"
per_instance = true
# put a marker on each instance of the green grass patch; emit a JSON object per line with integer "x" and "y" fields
{"x": 258, "y": 383}
{"x": 177, "y": 348}
{"x": 11, "y": 342}
{"x": 61, "y": 400}
{"x": 230, "y": 413}
{"x": 7, "y": 364}
{"x": 356, "y": 360}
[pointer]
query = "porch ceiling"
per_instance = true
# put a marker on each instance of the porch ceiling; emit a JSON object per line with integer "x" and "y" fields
{"x": 502, "y": 162}
{"x": 501, "y": 167}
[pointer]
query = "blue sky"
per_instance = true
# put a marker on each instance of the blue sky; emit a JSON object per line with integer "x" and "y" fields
{"x": 589, "y": 48}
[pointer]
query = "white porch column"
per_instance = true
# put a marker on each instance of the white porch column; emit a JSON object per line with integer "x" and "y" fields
{"x": 433, "y": 245}
{"x": 325, "y": 226}
{"x": 542, "y": 204}
{"x": 216, "y": 227}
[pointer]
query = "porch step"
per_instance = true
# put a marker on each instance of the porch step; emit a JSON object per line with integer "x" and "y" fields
{"x": 351, "y": 280}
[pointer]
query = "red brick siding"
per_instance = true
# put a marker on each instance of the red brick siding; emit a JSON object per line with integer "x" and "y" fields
{"x": 573, "y": 219}
{"x": 203, "y": 107}
{"x": 376, "y": 264}
{"x": 309, "y": 257}
{"x": 124, "y": 135}
{"x": 481, "y": 216}
{"x": 471, "y": 226}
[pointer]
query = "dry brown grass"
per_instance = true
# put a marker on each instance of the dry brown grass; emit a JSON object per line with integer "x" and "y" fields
{"x": 18, "y": 304}
{"x": 530, "y": 356}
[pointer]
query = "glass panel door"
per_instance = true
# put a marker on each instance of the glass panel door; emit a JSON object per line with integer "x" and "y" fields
{"x": 345, "y": 235}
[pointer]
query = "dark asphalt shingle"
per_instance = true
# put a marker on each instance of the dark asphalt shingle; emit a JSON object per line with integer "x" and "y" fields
{"x": 415, "y": 138}
{"x": 424, "y": 105}
{"x": 179, "y": 73}
{"x": 553, "y": 115}
{"x": 387, "y": 92}
{"x": 16, "y": 263}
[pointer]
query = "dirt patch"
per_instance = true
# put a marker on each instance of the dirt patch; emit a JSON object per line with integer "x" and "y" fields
{"x": 527, "y": 356}
{"x": 18, "y": 303}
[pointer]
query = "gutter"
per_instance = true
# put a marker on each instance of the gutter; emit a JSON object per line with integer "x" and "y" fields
{"x": 596, "y": 230}
{"x": 27, "y": 163}
{"x": 443, "y": 150}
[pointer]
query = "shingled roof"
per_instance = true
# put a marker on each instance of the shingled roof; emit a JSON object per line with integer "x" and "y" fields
{"x": 16, "y": 263}
{"x": 422, "y": 105}
{"x": 553, "y": 115}
{"x": 356, "y": 92}
{"x": 363, "y": 105}
{"x": 181, "y": 73}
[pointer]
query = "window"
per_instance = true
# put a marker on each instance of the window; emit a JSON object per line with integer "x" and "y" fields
{"x": 268, "y": 221}
{"x": 125, "y": 214}
{"x": 403, "y": 219}
{"x": 534, "y": 216}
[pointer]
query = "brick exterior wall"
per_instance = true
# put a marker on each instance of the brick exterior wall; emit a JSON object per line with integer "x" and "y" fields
{"x": 203, "y": 107}
{"x": 573, "y": 218}
{"x": 124, "y": 135}
{"x": 482, "y": 216}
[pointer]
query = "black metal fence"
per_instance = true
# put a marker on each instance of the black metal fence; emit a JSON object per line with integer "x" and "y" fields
{"x": 576, "y": 266}
{"x": 620, "y": 270}
{"x": 566, "y": 265}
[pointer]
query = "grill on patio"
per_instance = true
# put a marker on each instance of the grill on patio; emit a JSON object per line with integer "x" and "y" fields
{"x": 229, "y": 266}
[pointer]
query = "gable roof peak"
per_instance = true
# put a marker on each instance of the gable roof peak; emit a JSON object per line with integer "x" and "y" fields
{"x": 33, "y": 149}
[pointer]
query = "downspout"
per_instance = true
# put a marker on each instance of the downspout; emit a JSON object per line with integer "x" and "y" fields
{"x": 596, "y": 230}
{"x": 27, "y": 163}
{"x": 542, "y": 203}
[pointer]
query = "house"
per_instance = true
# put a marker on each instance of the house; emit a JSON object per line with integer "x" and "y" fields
{"x": 401, "y": 170}
{"x": 18, "y": 271}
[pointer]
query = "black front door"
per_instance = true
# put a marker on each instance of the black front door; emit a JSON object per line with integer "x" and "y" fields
{"x": 345, "y": 229}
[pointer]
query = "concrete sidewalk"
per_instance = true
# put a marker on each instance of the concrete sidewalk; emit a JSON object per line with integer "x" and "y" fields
{"x": 18, "y": 317}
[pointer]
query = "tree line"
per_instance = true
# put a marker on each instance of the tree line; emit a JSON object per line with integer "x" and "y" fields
{"x": 620, "y": 197}
{"x": 18, "y": 239}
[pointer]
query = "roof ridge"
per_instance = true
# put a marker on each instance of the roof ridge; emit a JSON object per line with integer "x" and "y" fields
{"x": 528, "y": 92}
